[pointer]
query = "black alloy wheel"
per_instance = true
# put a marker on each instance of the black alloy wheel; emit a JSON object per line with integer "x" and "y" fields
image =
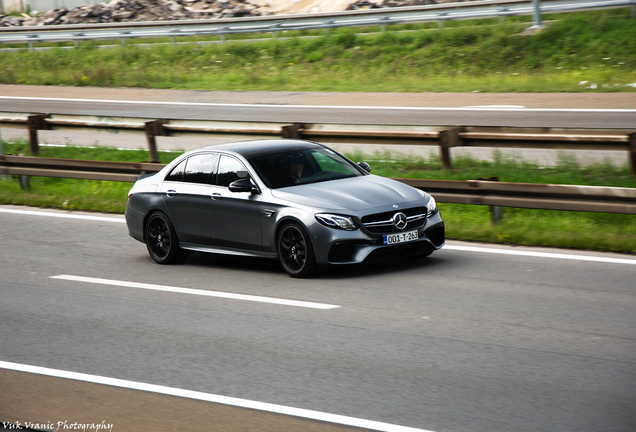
{"x": 161, "y": 239}
{"x": 295, "y": 251}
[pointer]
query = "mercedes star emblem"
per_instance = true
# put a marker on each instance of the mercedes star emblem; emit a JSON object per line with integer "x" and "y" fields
{"x": 399, "y": 220}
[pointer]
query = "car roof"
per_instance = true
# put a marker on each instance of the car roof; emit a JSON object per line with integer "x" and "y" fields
{"x": 263, "y": 147}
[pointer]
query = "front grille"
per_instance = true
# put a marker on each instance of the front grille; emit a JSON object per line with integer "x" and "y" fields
{"x": 382, "y": 223}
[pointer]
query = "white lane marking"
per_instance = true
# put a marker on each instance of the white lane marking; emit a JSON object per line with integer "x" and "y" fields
{"x": 542, "y": 254}
{"x": 507, "y": 107}
{"x": 450, "y": 247}
{"x": 62, "y": 215}
{"x": 191, "y": 291}
{"x": 210, "y": 104}
{"x": 208, "y": 397}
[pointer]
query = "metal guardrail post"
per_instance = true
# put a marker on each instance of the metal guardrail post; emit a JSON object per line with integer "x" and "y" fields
{"x": 2, "y": 176}
{"x": 36, "y": 122}
{"x": 154, "y": 129}
{"x": 496, "y": 212}
{"x": 25, "y": 182}
{"x": 294, "y": 131}
{"x": 537, "y": 12}
{"x": 447, "y": 139}
{"x": 632, "y": 151}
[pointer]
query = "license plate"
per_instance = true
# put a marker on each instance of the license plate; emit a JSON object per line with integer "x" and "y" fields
{"x": 400, "y": 238}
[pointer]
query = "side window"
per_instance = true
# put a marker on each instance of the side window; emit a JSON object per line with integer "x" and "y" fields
{"x": 199, "y": 168}
{"x": 177, "y": 172}
{"x": 229, "y": 170}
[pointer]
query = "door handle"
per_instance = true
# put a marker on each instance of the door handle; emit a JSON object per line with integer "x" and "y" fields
{"x": 171, "y": 192}
{"x": 216, "y": 196}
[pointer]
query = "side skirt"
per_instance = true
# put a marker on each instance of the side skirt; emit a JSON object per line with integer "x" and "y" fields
{"x": 227, "y": 251}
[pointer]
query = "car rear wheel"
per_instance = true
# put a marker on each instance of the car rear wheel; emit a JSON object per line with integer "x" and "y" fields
{"x": 161, "y": 240}
{"x": 295, "y": 251}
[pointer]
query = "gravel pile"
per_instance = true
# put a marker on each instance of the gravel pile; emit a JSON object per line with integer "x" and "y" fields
{"x": 168, "y": 10}
{"x": 139, "y": 10}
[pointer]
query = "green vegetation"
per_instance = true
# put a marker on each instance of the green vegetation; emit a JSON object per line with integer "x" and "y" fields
{"x": 595, "y": 231}
{"x": 508, "y": 168}
{"x": 594, "y": 47}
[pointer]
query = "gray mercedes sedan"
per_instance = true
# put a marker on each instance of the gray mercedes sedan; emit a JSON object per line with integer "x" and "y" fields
{"x": 298, "y": 201}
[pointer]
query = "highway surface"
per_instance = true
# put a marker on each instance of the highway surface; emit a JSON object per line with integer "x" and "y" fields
{"x": 473, "y": 338}
{"x": 598, "y": 110}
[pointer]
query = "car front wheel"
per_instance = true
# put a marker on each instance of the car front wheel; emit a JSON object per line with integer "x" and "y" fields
{"x": 295, "y": 251}
{"x": 161, "y": 240}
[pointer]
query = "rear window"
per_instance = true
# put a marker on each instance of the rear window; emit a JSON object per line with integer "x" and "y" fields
{"x": 199, "y": 168}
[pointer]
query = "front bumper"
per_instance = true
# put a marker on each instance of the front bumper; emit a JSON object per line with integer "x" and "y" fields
{"x": 358, "y": 246}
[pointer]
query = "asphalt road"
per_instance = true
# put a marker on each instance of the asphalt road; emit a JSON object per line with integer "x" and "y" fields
{"x": 463, "y": 341}
{"x": 316, "y": 114}
{"x": 606, "y": 110}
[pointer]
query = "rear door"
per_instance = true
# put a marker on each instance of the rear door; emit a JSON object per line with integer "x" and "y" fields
{"x": 186, "y": 192}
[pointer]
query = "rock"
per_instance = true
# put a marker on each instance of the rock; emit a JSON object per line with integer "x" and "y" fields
{"x": 122, "y": 15}
{"x": 376, "y": 4}
{"x": 11, "y": 21}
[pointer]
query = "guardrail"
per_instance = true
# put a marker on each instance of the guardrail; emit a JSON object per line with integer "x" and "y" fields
{"x": 444, "y": 137}
{"x": 75, "y": 169}
{"x": 527, "y": 195}
{"x": 491, "y": 193}
{"x": 325, "y": 21}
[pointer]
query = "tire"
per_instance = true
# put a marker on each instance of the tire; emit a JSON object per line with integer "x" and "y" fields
{"x": 161, "y": 240}
{"x": 295, "y": 252}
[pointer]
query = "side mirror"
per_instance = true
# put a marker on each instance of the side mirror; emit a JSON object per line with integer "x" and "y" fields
{"x": 365, "y": 166}
{"x": 242, "y": 185}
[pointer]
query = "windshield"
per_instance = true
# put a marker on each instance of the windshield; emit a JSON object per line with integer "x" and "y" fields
{"x": 302, "y": 166}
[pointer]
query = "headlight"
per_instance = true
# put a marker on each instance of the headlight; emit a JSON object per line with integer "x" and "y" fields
{"x": 335, "y": 221}
{"x": 431, "y": 207}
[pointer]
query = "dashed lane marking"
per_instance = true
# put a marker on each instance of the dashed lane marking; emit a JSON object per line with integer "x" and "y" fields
{"x": 199, "y": 292}
{"x": 62, "y": 215}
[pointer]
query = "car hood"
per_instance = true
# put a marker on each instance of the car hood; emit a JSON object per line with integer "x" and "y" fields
{"x": 355, "y": 193}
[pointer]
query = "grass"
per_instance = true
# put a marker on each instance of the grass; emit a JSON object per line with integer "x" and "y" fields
{"x": 577, "y": 230}
{"x": 594, "y": 47}
{"x": 508, "y": 168}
